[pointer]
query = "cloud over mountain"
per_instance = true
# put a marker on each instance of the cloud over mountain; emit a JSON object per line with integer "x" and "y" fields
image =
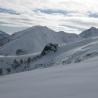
{"x": 26, "y": 13}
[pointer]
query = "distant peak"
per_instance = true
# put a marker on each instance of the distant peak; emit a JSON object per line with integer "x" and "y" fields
{"x": 91, "y": 32}
{"x": 61, "y": 32}
{"x": 93, "y": 28}
{"x": 39, "y": 26}
{"x": 2, "y": 32}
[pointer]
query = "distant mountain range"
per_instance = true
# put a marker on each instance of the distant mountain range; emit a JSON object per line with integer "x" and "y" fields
{"x": 34, "y": 39}
{"x": 92, "y": 32}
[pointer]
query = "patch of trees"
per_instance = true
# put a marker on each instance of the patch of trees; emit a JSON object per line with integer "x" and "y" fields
{"x": 18, "y": 63}
{"x": 1, "y": 71}
{"x": 15, "y": 64}
{"x": 5, "y": 71}
{"x": 8, "y": 70}
{"x": 20, "y": 52}
{"x": 24, "y": 64}
{"x": 49, "y": 48}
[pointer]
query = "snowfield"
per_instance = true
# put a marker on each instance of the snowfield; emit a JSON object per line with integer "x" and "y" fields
{"x": 64, "y": 81}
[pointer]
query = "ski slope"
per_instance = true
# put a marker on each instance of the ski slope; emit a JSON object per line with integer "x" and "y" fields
{"x": 64, "y": 81}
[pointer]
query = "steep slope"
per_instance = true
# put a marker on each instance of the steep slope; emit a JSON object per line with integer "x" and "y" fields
{"x": 4, "y": 38}
{"x": 73, "y": 81}
{"x": 92, "y": 32}
{"x": 34, "y": 39}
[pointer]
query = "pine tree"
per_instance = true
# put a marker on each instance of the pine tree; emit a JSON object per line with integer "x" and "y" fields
{"x": 21, "y": 61}
{"x": 8, "y": 70}
{"x": 15, "y": 64}
{"x": 28, "y": 60}
{"x": 1, "y": 71}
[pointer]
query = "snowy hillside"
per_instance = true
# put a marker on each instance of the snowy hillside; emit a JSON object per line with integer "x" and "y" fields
{"x": 72, "y": 81}
{"x": 75, "y": 52}
{"x": 34, "y": 39}
{"x": 4, "y": 38}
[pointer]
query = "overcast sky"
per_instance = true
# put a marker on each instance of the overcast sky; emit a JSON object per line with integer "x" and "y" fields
{"x": 72, "y": 16}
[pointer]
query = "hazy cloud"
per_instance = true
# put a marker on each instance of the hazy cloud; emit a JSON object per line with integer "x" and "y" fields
{"x": 9, "y": 11}
{"x": 67, "y": 15}
{"x": 93, "y": 14}
{"x": 53, "y": 11}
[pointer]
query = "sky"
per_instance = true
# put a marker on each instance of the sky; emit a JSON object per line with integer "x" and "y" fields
{"x": 71, "y": 16}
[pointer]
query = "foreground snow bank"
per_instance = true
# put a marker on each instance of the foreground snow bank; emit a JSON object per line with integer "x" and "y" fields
{"x": 73, "y": 81}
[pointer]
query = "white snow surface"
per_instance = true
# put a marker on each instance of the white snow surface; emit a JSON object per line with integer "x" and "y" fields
{"x": 63, "y": 81}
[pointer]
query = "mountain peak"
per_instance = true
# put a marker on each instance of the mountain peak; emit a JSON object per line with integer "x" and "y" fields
{"x": 1, "y": 32}
{"x": 39, "y": 27}
{"x": 91, "y": 32}
{"x": 93, "y": 28}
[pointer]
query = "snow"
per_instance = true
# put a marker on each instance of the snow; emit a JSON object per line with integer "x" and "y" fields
{"x": 34, "y": 39}
{"x": 63, "y": 81}
{"x": 71, "y": 53}
{"x": 69, "y": 72}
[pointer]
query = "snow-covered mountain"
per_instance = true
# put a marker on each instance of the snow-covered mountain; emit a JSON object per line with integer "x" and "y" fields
{"x": 68, "y": 37}
{"x": 34, "y": 39}
{"x": 92, "y": 32}
{"x": 4, "y": 38}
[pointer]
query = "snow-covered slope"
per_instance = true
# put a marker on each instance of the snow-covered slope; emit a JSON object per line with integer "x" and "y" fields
{"x": 4, "y": 38}
{"x": 71, "y": 53}
{"x": 72, "y": 81}
{"x": 34, "y": 39}
{"x": 92, "y": 32}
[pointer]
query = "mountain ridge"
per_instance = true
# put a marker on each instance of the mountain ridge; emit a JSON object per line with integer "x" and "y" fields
{"x": 91, "y": 32}
{"x": 34, "y": 39}
{"x": 4, "y": 38}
